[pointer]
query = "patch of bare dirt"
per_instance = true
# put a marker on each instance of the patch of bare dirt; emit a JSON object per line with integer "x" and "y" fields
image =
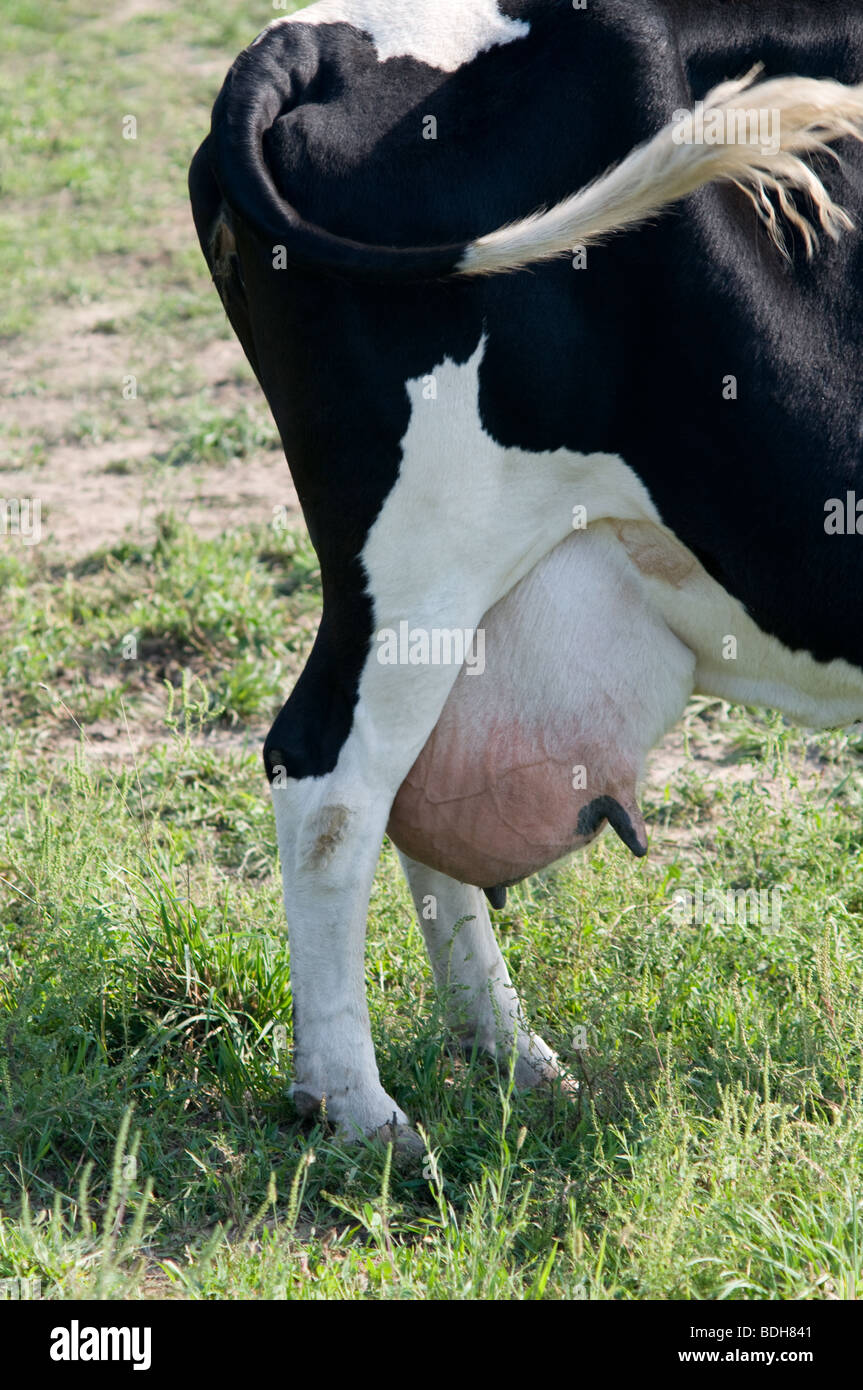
{"x": 93, "y": 490}
{"x": 116, "y": 741}
{"x": 709, "y": 756}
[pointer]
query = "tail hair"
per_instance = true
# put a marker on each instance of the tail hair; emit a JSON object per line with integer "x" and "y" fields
{"x": 811, "y": 113}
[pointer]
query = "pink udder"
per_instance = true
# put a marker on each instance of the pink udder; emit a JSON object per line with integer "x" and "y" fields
{"x": 492, "y": 806}
{"x": 532, "y": 756}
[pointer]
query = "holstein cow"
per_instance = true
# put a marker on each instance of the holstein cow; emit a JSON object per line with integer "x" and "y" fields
{"x": 561, "y": 467}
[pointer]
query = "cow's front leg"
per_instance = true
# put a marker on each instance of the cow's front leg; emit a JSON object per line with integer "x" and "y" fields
{"x": 481, "y": 1004}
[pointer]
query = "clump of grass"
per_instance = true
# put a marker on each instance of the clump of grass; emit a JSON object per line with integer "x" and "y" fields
{"x": 65, "y": 1253}
{"x": 210, "y": 435}
{"x": 236, "y": 613}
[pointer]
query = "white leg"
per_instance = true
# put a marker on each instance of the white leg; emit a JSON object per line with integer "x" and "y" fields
{"x": 327, "y": 870}
{"x": 329, "y": 831}
{"x": 472, "y": 979}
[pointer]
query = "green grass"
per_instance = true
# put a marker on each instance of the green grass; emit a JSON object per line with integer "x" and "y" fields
{"x": 76, "y": 191}
{"x": 714, "y": 1150}
{"x": 147, "y": 1142}
{"x": 216, "y": 436}
{"x": 118, "y": 629}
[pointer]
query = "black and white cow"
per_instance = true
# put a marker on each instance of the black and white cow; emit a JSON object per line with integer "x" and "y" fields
{"x": 611, "y": 457}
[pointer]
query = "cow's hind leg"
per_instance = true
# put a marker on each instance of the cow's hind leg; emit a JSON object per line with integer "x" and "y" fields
{"x": 328, "y": 847}
{"x": 481, "y": 1004}
{"x": 330, "y": 823}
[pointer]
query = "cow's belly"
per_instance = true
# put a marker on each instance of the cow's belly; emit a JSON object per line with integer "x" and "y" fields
{"x": 533, "y": 755}
{"x": 735, "y": 659}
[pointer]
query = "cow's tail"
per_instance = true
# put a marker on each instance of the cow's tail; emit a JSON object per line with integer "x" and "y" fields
{"x": 780, "y": 121}
{"x": 267, "y": 80}
{"x": 771, "y": 126}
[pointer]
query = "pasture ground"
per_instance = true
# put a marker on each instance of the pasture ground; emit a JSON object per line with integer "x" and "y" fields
{"x": 147, "y": 1144}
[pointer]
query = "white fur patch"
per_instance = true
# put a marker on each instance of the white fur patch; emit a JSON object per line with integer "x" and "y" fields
{"x": 512, "y": 507}
{"x": 445, "y": 34}
{"x": 465, "y": 520}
